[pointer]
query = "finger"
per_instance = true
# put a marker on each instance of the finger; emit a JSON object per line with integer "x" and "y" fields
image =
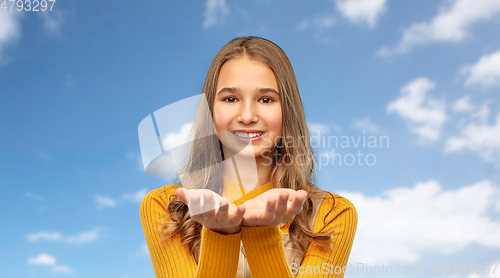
{"x": 302, "y": 193}
{"x": 208, "y": 207}
{"x": 237, "y": 217}
{"x": 295, "y": 206}
{"x": 239, "y": 214}
{"x": 181, "y": 194}
{"x": 223, "y": 212}
{"x": 299, "y": 196}
{"x": 194, "y": 204}
{"x": 270, "y": 211}
{"x": 281, "y": 207}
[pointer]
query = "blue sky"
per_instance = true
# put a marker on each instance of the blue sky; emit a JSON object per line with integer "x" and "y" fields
{"x": 76, "y": 82}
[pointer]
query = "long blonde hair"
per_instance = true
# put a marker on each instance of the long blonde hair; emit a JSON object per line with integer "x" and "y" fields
{"x": 204, "y": 162}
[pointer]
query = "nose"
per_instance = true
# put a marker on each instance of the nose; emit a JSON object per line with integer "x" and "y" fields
{"x": 248, "y": 113}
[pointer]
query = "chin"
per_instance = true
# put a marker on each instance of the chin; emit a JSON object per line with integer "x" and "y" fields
{"x": 246, "y": 153}
{"x": 250, "y": 153}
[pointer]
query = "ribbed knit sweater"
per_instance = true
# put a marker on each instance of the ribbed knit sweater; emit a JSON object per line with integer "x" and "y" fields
{"x": 263, "y": 245}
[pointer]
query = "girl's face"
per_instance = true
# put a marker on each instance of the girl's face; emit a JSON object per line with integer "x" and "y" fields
{"x": 247, "y": 103}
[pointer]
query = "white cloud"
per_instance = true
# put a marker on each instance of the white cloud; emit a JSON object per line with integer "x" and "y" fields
{"x": 485, "y": 72}
{"x": 83, "y": 237}
{"x": 33, "y": 196}
{"x": 318, "y": 23}
{"x": 43, "y": 259}
{"x": 365, "y": 124}
{"x": 403, "y": 224}
{"x": 10, "y": 28}
{"x": 104, "y": 201}
{"x": 464, "y": 104}
{"x": 10, "y": 31}
{"x": 175, "y": 139}
{"x": 135, "y": 197}
{"x": 482, "y": 114}
{"x": 492, "y": 271}
{"x": 52, "y": 21}
{"x": 319, "y": 132}
{"x": 362, "y": 11}
{"x": 478, "y": 136}
{"x": 424, "y": 115}
{"x": 131, "y": 197}
{"x": 56, "y": 236}
{"x": 61, "y": 269}
{"x": 450, "y": 25}
{"x": 176, "y": 143}
{"x": 315, "y": 128}
{"x": 215, "y": 11}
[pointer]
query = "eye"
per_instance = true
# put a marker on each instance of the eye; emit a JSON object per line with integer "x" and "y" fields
{"x": 228, "y": 98}
{"x": 269, "y": 99}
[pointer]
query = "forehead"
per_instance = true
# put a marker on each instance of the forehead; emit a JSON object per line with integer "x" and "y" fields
{"x": 246, "y": 73}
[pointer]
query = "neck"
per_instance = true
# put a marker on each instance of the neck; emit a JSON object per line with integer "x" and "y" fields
{"x": 249, "y": 172}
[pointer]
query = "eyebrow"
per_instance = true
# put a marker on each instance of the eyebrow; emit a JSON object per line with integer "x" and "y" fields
{"x": 236, "y": 89}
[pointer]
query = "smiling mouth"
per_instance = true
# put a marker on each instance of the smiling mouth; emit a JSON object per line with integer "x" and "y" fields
{"x": 245, "y": 135}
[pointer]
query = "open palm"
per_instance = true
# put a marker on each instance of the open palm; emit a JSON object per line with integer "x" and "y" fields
{"x": 273, "y": 207}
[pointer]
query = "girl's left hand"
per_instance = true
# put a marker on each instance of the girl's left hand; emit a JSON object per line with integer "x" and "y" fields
{"x": 273, "y": 207}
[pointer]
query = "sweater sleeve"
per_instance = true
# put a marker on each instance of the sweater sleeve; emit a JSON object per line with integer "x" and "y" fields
{"x": 266, "y": 254}
{"x": 218, "y": 253}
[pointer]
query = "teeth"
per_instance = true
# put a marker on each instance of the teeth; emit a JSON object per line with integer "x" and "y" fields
{"x": 248, "y": 135}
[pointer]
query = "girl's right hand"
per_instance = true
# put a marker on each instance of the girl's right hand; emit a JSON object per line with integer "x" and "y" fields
{"x": 211, "y": 210}
{"x": 273, "y": 207}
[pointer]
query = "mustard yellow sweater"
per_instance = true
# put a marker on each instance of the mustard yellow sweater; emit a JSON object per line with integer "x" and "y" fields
{"x": 263, "y": 245}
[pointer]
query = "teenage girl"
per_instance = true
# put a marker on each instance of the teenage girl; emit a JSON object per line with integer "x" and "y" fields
{"x": 248, "y": 205}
